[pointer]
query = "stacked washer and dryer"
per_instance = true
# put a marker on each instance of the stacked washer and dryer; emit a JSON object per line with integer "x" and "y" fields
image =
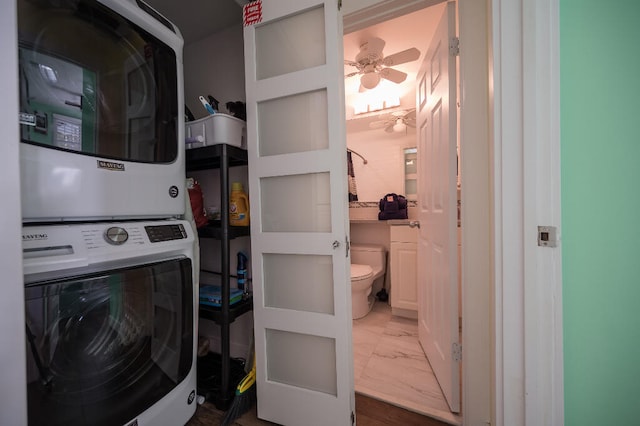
{"x": 110, "y": 294}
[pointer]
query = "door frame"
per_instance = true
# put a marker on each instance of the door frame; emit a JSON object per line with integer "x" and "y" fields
{"x": 527, "y": 295}
{"x": 13, "y": 391}
{"x": 510, "y": 163}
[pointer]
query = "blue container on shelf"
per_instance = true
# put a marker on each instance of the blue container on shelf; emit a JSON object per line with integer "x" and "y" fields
{"x": 241, "y": 272}
{"x": 211, "y": 295}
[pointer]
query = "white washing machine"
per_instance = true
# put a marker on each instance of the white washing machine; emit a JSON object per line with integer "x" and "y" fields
{"x": 111, "y": 323}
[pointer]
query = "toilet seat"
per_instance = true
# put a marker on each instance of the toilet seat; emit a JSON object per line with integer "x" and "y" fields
{"x": 360, "y": 272}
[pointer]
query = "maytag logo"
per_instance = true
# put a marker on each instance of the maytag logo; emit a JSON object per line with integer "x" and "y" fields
{"x": 34, "y": 237}
{"x": 119, "y": 167}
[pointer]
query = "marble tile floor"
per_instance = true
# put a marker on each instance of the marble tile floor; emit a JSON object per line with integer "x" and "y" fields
{"x": 389, "y": 365}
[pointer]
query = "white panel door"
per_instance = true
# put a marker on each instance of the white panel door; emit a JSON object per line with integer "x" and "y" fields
{"x": 437, "y": 200}
{"x": 299, "y": 211}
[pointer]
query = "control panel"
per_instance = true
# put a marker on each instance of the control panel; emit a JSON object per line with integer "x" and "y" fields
{"x": 158, "y": 233}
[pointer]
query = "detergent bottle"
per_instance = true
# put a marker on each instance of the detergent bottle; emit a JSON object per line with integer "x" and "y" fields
{"x": 238, "y": 206}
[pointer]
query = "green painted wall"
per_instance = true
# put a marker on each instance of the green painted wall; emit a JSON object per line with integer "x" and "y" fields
{"x": 600, "y": 146}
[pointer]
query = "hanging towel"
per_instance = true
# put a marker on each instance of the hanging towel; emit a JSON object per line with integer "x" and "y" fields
{"x": 353, "y": 193}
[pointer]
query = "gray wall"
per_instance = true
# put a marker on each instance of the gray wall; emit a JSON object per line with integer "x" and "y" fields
{"x": 214, "y": 66}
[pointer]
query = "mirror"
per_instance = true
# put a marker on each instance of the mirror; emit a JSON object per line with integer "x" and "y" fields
{"x": 411, "y": 173}
{"x": 384, "y": 171}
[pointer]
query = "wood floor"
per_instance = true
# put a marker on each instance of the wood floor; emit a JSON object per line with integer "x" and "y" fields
{"x": 369, "y": 412}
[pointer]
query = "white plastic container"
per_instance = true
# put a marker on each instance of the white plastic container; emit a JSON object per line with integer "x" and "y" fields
{"x": 216, "y": 129}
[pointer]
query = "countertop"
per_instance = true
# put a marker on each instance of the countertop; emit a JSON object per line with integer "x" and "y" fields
{"x": 391, "y": 222}
{"x": 399, "y": 222}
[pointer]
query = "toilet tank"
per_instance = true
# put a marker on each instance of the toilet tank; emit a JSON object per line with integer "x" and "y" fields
{"x": 373, "y": 255}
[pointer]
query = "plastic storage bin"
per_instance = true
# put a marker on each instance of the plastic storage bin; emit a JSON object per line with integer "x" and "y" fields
{"x": 216, "y": 129}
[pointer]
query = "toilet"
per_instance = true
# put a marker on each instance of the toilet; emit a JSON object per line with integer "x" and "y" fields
{"x": 368, "y": 262}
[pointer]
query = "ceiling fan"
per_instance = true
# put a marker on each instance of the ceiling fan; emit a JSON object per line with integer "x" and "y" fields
{"x": 397, "y": 121}
{"x": 373, "y": 65}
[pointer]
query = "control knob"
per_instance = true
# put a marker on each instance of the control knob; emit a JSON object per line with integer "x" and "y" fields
{"x": 116, "y": 235}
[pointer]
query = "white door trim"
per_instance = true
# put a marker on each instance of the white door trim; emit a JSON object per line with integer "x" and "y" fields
{"x": 13, "y": 391}
{"x": 526, "y": 185}
{"x": 476, "y": 230}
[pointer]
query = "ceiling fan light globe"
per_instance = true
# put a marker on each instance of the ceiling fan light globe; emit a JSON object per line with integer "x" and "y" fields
{"x": 370, "y": 80}
{"x": 399, "y": 126}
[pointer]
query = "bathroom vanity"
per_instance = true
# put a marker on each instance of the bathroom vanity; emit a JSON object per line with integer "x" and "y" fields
{"x": 400, "y": 241}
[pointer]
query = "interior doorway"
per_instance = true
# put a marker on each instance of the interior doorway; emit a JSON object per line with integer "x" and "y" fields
{"x": 474, "y": 22}
{"x": 389, "y": 362}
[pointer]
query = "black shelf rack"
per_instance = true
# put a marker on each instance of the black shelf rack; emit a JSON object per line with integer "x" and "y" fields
{"x": 222, "y": 157}
{"x": 214, "y": 230}
{"x": 215, "y": 314}
{"x": 214, "y": 157}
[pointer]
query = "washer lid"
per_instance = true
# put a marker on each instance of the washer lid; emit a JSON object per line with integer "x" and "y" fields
{"x": 360, "y": 272}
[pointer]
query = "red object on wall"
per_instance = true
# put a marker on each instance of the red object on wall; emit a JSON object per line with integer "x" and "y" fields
{"x": 197, "y": 203}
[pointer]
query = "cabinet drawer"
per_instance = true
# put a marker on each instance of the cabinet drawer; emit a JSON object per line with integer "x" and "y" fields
{"x": 404, "y": 234}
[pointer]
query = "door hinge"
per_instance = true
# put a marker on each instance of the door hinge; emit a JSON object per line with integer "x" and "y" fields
{"x": 456, "y": 352}
{"x": 347, "y": 245}
{"x": 353, "y": 418}
{"x": 454, "y": 46}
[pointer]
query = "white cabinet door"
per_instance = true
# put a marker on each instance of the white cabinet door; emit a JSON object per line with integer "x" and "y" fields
{"x": 404, "y": 275}
{"x": 299, "y": 211}
{"x": 437, "y": 209}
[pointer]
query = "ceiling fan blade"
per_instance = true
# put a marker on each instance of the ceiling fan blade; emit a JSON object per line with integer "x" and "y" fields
{"x": 401, "y": 57}
{"x": 410, "y": 123}
{"x": 405, "y": 113}
{"x": 379, "y": 124}
{"x": 351, "y": 74}
{"x": 351, "y": 63}
{"x": 411, "y": 114}
{"x": 393, "y": 75}
{"x": 389, "y": 128}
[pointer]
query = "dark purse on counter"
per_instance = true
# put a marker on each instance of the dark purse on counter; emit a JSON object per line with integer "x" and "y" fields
{"x": 392, "y": 206}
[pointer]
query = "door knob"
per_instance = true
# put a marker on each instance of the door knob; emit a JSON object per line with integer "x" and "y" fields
{"x": 414, "y": 224}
